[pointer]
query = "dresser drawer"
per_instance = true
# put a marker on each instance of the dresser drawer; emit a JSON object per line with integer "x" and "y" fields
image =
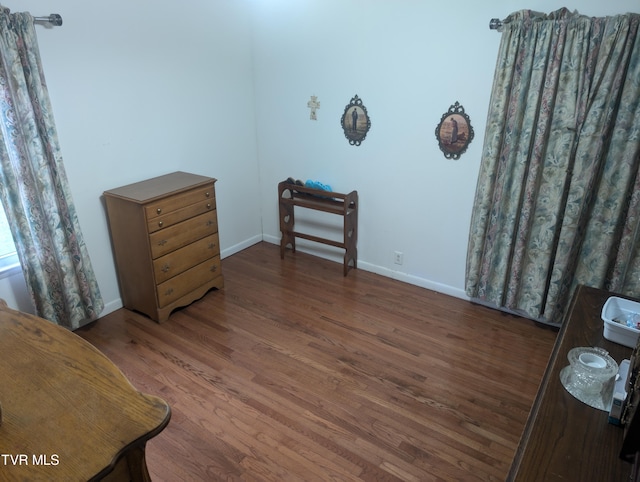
{"x": 180, "y": 260}
{"x": 181, "y": 234}
{"x": 179, "y": 215}
{"x": 179, "y": 201}
{"x": 189, "y": 280}
{"x": 164, "y": 232}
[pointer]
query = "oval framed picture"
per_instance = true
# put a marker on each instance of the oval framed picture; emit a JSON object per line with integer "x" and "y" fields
{"x": 454, "y": 132}
{"x": 355, "y": 121}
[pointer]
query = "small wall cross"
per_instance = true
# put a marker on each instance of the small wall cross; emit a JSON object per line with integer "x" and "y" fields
{"x": 313, "y": 104}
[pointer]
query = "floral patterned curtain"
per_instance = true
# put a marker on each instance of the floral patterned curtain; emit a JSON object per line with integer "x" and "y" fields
{"x": 34, "y": 188}
{"x": 558, "y": 197}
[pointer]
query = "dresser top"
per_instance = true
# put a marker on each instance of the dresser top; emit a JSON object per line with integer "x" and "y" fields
{"x": 150, "y": 189}
{"x": 566, "y": 439}
{"x": 61, "y": 396}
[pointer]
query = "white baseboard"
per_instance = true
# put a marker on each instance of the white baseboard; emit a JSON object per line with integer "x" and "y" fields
{"x": 414, "y": 280}
{"x": 116, "y": 304}
{"x": 111, "y": 306}
{"x": 240, "y": 246}
{"x": 389, "y": 273}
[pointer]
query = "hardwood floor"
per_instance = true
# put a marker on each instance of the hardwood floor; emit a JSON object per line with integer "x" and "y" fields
{"x": 295, "y": 372}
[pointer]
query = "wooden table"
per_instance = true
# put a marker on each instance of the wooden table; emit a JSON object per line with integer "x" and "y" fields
{"x": 565, "y": 439}
{"x": 68, "y": 413}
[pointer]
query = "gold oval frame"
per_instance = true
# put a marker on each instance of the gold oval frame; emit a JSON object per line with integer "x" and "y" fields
{"x": 355, "y": 121}
{"x": 454, "y": 132}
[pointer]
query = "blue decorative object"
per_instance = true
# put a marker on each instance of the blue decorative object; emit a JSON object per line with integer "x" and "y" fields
{"x": 317, "y": 185}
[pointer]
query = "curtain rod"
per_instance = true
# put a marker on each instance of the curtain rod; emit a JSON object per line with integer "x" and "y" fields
{"x": 53, "y": 19}
{"x": 494, "y": 24}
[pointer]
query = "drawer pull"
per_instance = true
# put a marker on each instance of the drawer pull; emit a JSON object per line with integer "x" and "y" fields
{"x": 165, "y": 268}
{"x": 212, "y": 245}
{"x": 160, "y": 224}
{"x": 169, "y": 291}
{"x": 207, "y": 194}
{"x": 208, "y": 205}
{"x": 163, "y": 242}
{"x": 214, "y": 268}
{"x": 209, "y": 223}
{"x": 159, "y": 210}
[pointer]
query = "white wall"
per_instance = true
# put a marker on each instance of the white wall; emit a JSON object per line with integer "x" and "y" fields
{"x": 140, "y": 90}
{"x": 220, "y": 87}
{"x": 409, "y": 61}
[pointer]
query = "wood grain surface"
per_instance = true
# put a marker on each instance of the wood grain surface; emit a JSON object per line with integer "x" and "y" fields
{"x": 566, "y": 439}
{"x": 295, "y": 372}
{"x": 68, "y": 412}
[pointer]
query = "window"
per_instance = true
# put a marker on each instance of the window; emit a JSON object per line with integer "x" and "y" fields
{"x": 8, "y": 257}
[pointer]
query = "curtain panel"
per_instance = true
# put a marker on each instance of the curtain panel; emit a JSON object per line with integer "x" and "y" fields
{"x": 557, "y": 202}
{"x": 33, "y": 185}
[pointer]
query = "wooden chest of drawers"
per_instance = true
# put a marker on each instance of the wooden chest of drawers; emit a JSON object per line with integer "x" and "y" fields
{"x": 164, "y": 233}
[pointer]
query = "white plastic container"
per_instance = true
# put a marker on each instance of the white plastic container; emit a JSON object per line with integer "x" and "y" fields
{"x": 617, "y": 331}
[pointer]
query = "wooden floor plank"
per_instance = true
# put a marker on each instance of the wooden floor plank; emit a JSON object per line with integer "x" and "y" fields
{"x": 296, "y": 372}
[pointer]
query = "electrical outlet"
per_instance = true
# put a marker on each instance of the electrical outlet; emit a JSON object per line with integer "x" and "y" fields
{"x": 397, "y": 257}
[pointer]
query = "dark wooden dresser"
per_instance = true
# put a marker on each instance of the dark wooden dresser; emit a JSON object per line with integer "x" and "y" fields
{"x": 165, "y": 239}
{"x": 565, "y": 439}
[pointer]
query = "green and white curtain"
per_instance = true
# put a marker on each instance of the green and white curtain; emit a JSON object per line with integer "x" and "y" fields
{"x": 557, "y": 202}
{"x": 33, "y": 185}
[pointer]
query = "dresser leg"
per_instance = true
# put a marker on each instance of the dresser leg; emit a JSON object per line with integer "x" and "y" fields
{"x": 137, "y": 463}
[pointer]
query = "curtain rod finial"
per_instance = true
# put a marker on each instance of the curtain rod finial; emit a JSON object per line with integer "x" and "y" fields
{"x": 55, "y": 19}
{"x": 495, "y": 24}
